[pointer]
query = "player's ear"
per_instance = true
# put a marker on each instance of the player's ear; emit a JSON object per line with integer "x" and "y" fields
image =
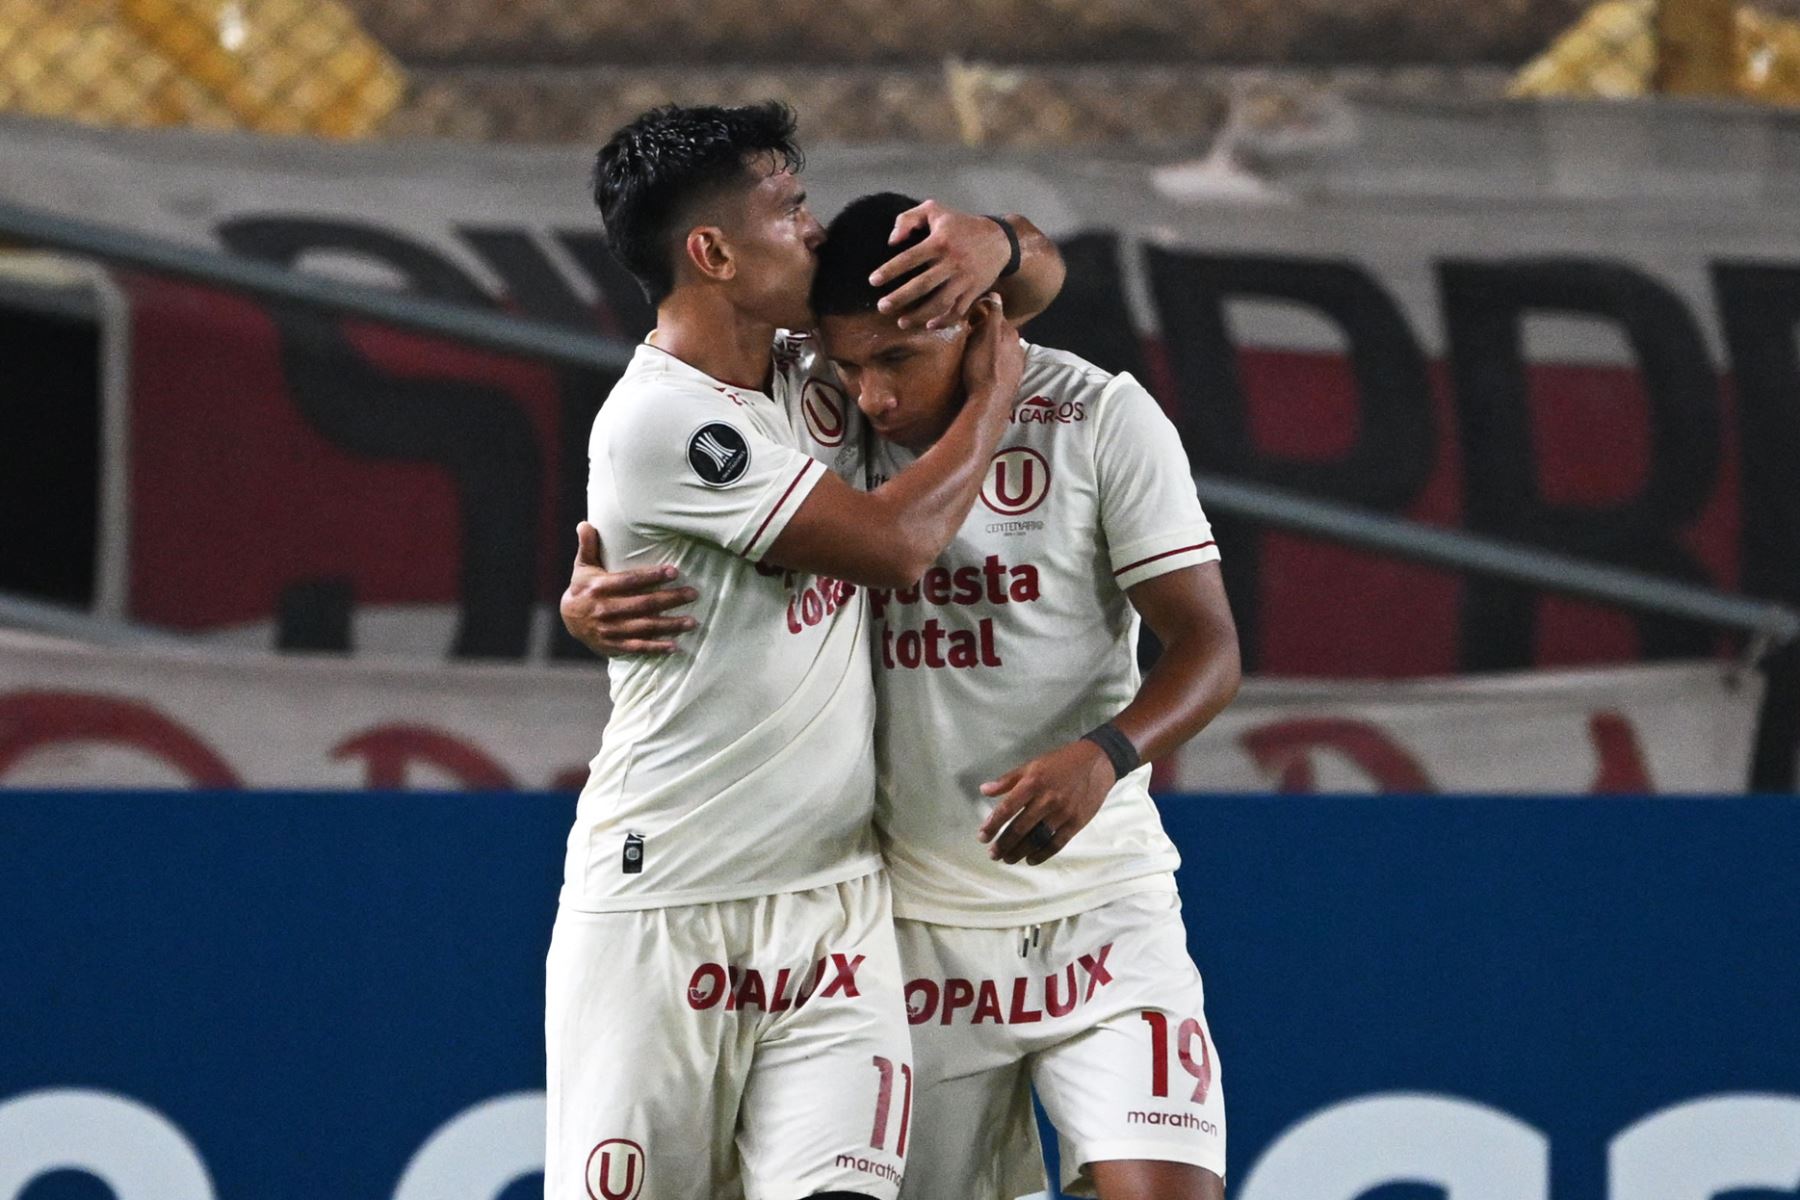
{"x": 709, "y": 253}
{"x": 958, "y": 332}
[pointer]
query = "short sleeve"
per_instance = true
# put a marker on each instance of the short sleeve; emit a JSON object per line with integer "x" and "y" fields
{"x": 826, "y": 421}
{"x": 1148, "y": 507}
{"x": 674, "y": 461}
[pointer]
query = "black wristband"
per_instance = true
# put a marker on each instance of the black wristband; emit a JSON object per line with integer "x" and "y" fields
{"x": 1117, "y": 747}
{"x": 1012, "y": 239}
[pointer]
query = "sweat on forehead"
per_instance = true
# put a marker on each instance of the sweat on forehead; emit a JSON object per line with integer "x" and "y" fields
{"x": 856, "y": 243}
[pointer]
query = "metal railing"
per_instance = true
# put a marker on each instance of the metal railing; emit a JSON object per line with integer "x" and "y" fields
{"x": 1763, "y": 622}
{"x": 57, "y": 620}
{"x": 492, "y": 331}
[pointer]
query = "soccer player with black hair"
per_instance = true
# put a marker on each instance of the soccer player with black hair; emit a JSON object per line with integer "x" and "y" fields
{"x": 724, "y": 1011}
{"x": 1039, "y": 925}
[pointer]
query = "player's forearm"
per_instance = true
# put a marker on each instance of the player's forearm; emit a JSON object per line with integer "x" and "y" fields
{"x": 1039, "y": 279}
{"x": 1196, "y": 677}
{"x": 923, "y": 506}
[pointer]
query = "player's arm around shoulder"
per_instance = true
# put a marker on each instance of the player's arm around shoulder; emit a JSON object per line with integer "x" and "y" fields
{"x": 616, "y": 613}
{"x": 669, "y": 461}
{"x": 890, "y": 536}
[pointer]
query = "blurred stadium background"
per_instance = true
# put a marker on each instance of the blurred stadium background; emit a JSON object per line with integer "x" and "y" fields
{"x": 1479, "y": 325}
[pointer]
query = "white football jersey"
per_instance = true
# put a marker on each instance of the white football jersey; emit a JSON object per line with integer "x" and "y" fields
{"x": 742, "y": 764}
{"x": 1021, "y": 638}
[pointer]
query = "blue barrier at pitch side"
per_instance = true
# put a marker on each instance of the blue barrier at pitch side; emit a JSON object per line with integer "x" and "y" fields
{"x": 306, "y": 992}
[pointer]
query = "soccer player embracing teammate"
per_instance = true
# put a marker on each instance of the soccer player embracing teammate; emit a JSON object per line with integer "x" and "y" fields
{"x": 724, "y": 1011}
{"x": 1037, "y": 916}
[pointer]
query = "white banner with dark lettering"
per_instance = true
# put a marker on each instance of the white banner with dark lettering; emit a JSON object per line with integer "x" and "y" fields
{"x": 76, "y": 717}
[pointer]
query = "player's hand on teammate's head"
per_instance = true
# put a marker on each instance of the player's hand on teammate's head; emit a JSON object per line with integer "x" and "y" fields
{"x": 962, "y": 257}
{"x": 993, "y": 357}
{"x": 621, "y": 612}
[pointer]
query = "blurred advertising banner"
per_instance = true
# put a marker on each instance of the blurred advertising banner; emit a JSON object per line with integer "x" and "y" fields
{"x": 114, "y": 718}
{"x": 77, "y": 717}
{"x": 1663, "y": 728}
{"x": 285, "y": 997}
{"x": 1568, "y": 325}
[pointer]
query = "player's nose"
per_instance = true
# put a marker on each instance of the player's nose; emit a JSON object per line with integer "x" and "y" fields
{"x": 875, "y": 399}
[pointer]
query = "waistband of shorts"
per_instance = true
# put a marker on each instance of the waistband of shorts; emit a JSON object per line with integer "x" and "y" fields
{"x": 1053, "y": 909}
{"x": 857, "y": 872}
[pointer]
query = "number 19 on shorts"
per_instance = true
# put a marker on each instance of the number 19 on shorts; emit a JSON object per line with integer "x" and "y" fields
{"x": 1188, "y": 1049}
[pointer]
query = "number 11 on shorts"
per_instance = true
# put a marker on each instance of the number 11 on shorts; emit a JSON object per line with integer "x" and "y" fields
{"x": 884, "y": 1102}
{"x": 1187, "y": 1036}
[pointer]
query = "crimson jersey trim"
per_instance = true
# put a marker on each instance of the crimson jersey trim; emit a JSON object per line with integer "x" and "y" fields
{"x": 1165, "y": 554}
{"x": 805, "y": 467}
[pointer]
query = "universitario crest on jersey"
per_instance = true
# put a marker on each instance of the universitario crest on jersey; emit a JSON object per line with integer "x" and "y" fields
{"x": 616, "y": 1169}
{"x": 718, "y": 454}
{"x": 825, "y": 412}
{"x": 1018, "y": 480}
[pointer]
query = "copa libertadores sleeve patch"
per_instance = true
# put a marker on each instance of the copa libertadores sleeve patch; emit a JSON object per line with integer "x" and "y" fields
{"x": 719, "y": 454}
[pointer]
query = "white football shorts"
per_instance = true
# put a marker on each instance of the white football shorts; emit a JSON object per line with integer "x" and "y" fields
{"x": 751, "y": 1048}
{"x": 1103, "y": 1012}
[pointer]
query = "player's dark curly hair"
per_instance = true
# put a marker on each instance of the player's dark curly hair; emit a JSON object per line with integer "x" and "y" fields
{"x": 856, "y": 242}
{"x": 649, "y": 176}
